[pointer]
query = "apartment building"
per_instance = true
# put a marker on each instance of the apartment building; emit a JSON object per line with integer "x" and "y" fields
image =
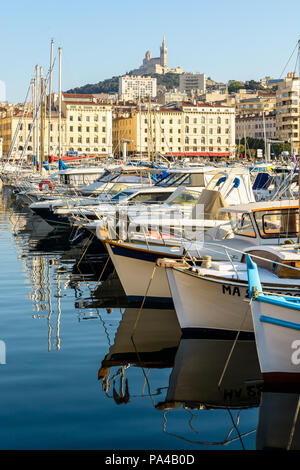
{"x": 288, "y": 111}
{"x": 258, "y": 103}
{"x": 256, "y": 126}
{"x": 135, "y": 87}
{"x": 24, "y": 139}
{"x": 86, "y": 128}
{"x": 88, "y": 125}
{"x": 177, "y": 128}
{"x": 192, "y": 82}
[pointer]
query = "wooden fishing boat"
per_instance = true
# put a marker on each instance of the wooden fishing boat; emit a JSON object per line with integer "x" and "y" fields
{"x": 276, "y": 320}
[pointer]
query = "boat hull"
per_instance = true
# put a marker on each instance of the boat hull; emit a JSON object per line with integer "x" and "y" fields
{"x": 213, "y": 304}
{"x": 277, "y": 333}
{"x": 140, "y": 276}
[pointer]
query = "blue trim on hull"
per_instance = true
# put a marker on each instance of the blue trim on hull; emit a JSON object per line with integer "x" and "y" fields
{"x": 279, "y": 322}
{"x": 138, "y": 254}
{"x": 281, "y": 301}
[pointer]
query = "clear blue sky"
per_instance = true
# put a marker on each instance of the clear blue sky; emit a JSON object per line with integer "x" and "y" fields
{"x": 224, "y": 39}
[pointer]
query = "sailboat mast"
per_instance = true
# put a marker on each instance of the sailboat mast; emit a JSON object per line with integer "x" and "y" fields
{"x": 33, "y": 114}
{"x": 37, "y": 85}
{"x": 42, "y": 125}
{"x": 59, "y": 101}
{"x": 41, "y": 137}
{"x": 50, "y": 96}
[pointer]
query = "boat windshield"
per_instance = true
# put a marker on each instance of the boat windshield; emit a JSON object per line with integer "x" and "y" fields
{"x": 127, "y": 178}
{"x": 185, "y": 197}
{"x": 175, "y": 179}
{"x": 117, "y": 189}
{"x": 121, "y": 195}
{"x": 106, "y": 177}
{"x": 242, "y": 225}
{"x": 280, "y": 223}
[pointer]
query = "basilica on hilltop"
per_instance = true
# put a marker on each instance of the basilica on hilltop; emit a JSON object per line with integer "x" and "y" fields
{"x": 158, "y": 65}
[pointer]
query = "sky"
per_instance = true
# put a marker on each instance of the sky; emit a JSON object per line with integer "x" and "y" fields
{"x": 226, "y": 40}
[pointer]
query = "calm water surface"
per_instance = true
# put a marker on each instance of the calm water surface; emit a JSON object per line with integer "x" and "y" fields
{"x": 74, "y": 378}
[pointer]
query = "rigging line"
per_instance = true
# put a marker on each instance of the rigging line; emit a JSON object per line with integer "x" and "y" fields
{"x": 17, "y": 128}
{"x": 143, "y": 370}
{"x": 232, "y": 349}
{"x": 291, "y": 437}
{"x": 236, "y": 427}
{"x": 289, "y": 59}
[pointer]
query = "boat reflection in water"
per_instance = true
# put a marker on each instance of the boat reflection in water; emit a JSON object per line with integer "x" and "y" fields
{"x": 278, "y": 423}
{"x": 145, "y": 338}
{"x": 211, "y": 375}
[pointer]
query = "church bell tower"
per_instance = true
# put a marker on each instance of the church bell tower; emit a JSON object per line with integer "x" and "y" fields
{"x": 164, "y": 54}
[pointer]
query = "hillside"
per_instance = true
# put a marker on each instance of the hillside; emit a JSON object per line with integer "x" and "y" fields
{"x": 111, "y": 85}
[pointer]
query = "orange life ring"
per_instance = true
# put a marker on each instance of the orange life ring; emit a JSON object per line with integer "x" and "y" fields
{"x": 48, "y": 182}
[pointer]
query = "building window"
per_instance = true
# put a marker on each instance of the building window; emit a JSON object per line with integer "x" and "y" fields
{"x": 202, "y": 140}
{"x": 218, "y": 120}
{"x": 95, "y": 118}
{"x": 88, "y": 129}
{"x": 219, "y": 130}
{"x": 87, "y": 140}
{"x": 79, "y": 118}
{"x": 187, "y": 120}
{"x": 202, "y": 130}
{"x": 203, "y": 120}
{"x": 79, "y": 128}
{"x": 187, "y": 129}
{"x": 103, "y": 140}
{"x": 71, "y": 118}
{"x": 96, "y": 129}
{"x": 71, "y": 128}
{"x": 103, "y": 129}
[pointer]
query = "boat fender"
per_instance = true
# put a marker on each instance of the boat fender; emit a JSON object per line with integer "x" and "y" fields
{"x": 206, "y": 262}
{"x": 48, "y": 182}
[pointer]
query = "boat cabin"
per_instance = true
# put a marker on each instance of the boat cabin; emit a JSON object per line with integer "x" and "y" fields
{"x": 264, "y": 222}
